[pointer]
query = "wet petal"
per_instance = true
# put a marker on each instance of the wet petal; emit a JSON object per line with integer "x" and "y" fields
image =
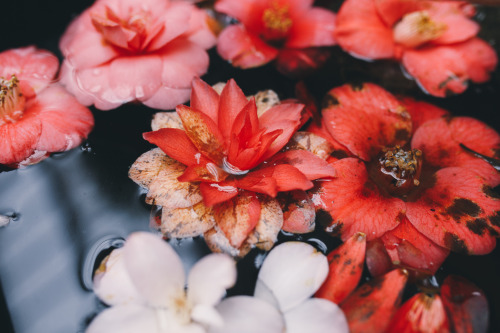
{"x": 378, "y": 261}
{"x": 316, "y": 315}
{"x": 19, "y": 139}
{"x": 290, "y": 274}
{"x": 217, "y": 242}
{"x": 312, "y": 143}
{"x": 186, "y": 222}
{"x": 421, "y": 112}
{"x": 346, "y": 267}
{"x": 216, "y": 193}
{"x": 270, "y": 222}
{"x": 371, "y": 307}
{"x": 148, "y": 166}
{"x": 306, "y": 162}
{"x": 126, "y": 319}
{"x": 299, "y": 214}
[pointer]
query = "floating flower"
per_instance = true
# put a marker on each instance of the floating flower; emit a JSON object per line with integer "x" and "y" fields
{"x": 434, "y": 40}
{"x": 289, "y": 276}
{"x": 404, "y": 181}
{"x": 37, "y": 116}
{"x": 221, "y": 167}
{"x": 118, "y": 51}
{"x": 144, "y": 282}
{"x": 279, "y": 29}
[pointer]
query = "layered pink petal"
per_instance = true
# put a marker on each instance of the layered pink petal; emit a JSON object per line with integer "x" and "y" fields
{"x": 352, "y": 203}
{"x": 202, "y": 28}
{"x": 391, "y": 11}
{"x": 306, "y": 162}
{"x": 315, "y": 27}
{"x": 366, "y": 118}
{"x": 456, "y": 212}
{"x": 18, "y": 140}
{"x": 205, "y": 99}
{"x": 260, "y": 181}
{"x": 298, "y": 212}
{"x": 480, "y": 57}
{"x": 232, "y": 100}
{"x": 216, "y": 193}
{"x": 242, "y": 10}
{"x": 421, "y": 112}
{"x": 244, "y": 49}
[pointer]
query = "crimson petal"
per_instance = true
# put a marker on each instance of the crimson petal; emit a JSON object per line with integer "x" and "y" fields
{"x": 205, "y": 99}
{"x": 309, "y": 164}
{"x": 232, "y": 100}
{"x": 215, "y": 193}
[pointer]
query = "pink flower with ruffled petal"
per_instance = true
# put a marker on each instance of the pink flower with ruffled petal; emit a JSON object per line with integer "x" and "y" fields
{"x": 37, "y": 117}
{"x": 266, "y": 29}
{"x": 119, "y": 51}
{"x": 434, "y": 40}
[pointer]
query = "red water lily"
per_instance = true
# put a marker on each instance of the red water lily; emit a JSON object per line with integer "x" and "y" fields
{"x": 37, "y": 116}
{"x": 404, "y": 181}
{"x": 224, "y": 167}
{"x": 119, "y": 51}
{"x": 434, "y": 40}
{"x": 285, "y": 30}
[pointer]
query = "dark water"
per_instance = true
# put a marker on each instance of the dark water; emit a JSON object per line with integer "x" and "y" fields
{"x": 72, "y": 205}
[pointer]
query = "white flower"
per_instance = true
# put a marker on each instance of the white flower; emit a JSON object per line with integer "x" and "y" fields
{"x": 290, "y": 275}
{"x": 144, "y": 282}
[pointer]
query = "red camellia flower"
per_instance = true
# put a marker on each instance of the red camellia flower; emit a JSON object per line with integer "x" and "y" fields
{"x": 37, "y": 117}
{"x": 274, "y": 29}
{"x": 435, "y": 40}
{"x": 224, "y": 167}
{"x": 404, "y": 181}
{"x": 119, "y": 51}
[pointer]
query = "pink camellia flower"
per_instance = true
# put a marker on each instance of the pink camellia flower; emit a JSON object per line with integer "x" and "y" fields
{"x": 404, "y": 180}
{"x": 119, "y": 51}
{"x": 37, "y": 117}
{"x": 273, "y": 29}
{"x": 434, "y": 40}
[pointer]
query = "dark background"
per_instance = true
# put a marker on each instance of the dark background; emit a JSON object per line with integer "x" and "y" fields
{"x": 71, "y": 205}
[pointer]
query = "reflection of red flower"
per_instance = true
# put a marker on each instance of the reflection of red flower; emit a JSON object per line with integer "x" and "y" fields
{"x": 119, "y": 51}
{"x": 435, "y": 40}
{"x": 419, "y": 196}
{"x": 271, "y": 29}
{"x": 228, "y": 156}
{"x": 37, "y": 117}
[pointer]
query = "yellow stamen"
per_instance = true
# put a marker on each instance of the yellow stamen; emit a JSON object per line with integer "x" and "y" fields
{"x": 11, "y": 100}
{"x": 416, "y": 29}
{"x": 277, "y": 20}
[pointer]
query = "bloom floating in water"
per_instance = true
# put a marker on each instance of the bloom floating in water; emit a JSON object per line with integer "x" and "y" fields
{"x": 279, "y": 29}
{"x": 404, "y": 180}
{"x": 223, "y": 170}
{"x": 144, "y": 282}
{"x": 435, "y": 40}
{"x": 119, "y": 51}
{"x": 37, "y": 117}
{"x": 289, "y": 276}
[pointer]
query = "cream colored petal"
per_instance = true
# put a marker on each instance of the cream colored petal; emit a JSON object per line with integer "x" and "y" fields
{"x": 166, "y": 120}
{"x": 125, "y": 319}
{"x": 265, "y": 100}
{"x": 316, "y": 315}
{"x": 206, "y": 315}
{"x": 186, "y": 222}
{"x": 112, "y": 283}
{"x": 312, "y": 143}
{"x": 217, "y": 242}
{"x": 266, "y": 231}
{"x": 165, "y": 190}
{"x": 218, "y": 87}
{"x": 292, "y": 272}
{"x": 147, "y": 166}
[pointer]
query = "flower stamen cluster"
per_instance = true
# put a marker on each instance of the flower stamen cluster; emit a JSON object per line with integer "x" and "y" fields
{"x": 11, "y": 100}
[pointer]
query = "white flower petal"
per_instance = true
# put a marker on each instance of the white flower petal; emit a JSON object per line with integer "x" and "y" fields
{"x": 209, "y": 278}
{"x": 125, "y": 319}
{"x": 112, "y": 283}
{"x": 155, "y": 269}
{"x": 292, "y": 271}
{"x": 245, "y": 314}
{"x": 206, "y": 315}
{"x": 316, "y": 315}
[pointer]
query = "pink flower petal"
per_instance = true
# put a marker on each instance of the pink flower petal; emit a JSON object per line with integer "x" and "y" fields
{"x": 126, "y": 319}
{"x": 205, "y": 99}
{"x": 232, "y": 100}
{"x": 480, "y": 57}
{"x": 307, "y": 163}
{"x": 315, "y": 27}
{"x": 298, "y": 212}
{"x": 391, "y": 11}
{"x": 18, "y": 140}
{"x": 421, "y": 112}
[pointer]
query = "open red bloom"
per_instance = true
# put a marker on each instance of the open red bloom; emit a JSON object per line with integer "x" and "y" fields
{"x": 419, "y": 195}
{"x": 226, "y": 153}
{"x": 280, "y": 29}
{"x": 435, "y": 40}
{"x": 119, "y": 51}
{"x": 37, "y": 117}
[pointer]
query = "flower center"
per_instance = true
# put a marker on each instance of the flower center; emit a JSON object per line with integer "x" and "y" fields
{"x": 11, "y": 100}
{"x": 398, "y": 170}
{"x": 416, "y": 29}
{"x": 277, "y": 21}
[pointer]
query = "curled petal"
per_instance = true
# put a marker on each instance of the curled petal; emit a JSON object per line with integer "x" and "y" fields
{"x": 316, "y": 315}
{"x": 232, "y": 100}
{"x": 186, "y": 222}
{"x": 291, "y": 273}
{"x": 270, "y": 223}
{"x": 205, "y": 98}
{"x": 298, "y": 212}
{"x": 378, "y": 261}
{"x": 217, "y": 242}
{"x": 147, "y": 167}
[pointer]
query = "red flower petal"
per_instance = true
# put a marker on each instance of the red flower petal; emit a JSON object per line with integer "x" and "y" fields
{"x": 339, "y": 149}
{"x": 238, "y": 217}
{"x": 391, "y": 11}
{"x": 289, "y": 178}
{"x": 371, "y": 307}
{"x": 18, "y": 140}
{"x": 203, "y": 172}
{"x": 244, "y": 49}
{"x": 421, "y": 313}
{"x": 216, "y": 193}
{"x": 377, "y": 258}
{"x": 346, "y": 266}
{"x": 260, "y": 181}
{"x": 299, "y": 214}
{"x": 315, "y": 27}
{"x": 456, "y": 213}
{"x": 300, "y": 62}
{"x": 65, "y": 122}
{"x": 466, "y": 305}
{"x": 205, "y": 99}
{"x": 480, "y": 57}
{"x": 245, "y": 126}
{"x": 309, "y": 164}
{"x": 422, "y": 112}
{"x": 440, "y": 141}
{"x": 252, "y": 156}
{"x": 354, "y": 203}
{"x": 361, "y": 31}
{"x": 366, "y": 118}
{"x": 232, "y": 100}
{"x": 176, "y": 144}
